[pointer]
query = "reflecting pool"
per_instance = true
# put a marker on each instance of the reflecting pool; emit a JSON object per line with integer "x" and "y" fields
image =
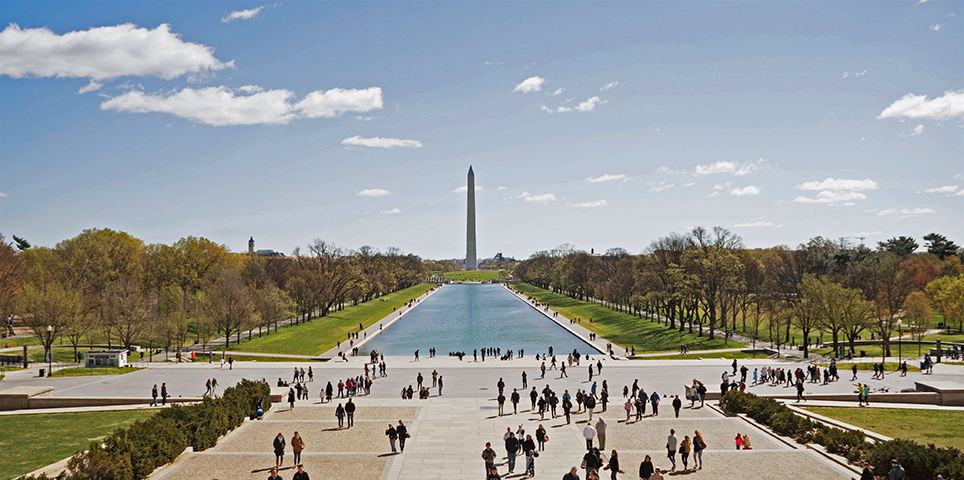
{"x": 474, "y": 316}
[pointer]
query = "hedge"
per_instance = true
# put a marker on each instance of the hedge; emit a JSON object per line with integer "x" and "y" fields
{"x": 919, "y": 461}
{"x": 134, "y": 453}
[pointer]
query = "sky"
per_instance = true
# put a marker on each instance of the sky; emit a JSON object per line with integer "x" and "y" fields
{"x": 597, "y": 124}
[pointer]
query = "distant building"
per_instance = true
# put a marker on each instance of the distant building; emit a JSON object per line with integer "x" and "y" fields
{"x": 105, "y": 358}
{"x": 251, "y": 245}
{"x": 262, "y": 253}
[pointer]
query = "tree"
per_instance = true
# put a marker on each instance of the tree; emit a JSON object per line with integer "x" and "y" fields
{"x": 273, "y": 305}
{"x": 807, "y": 313}
{"x": 22, "y": 244}
{"x": 172, "y": 315}
{"x": 918, "y": 311}
{"x": 227, "y": 304}
{"x": 898, "y": 245}
{"x": 939, "y": 245}
{"x": 947, "y": 294}
{"x": 126, "y": 309}
{"x": 12, "y": 270}
{"x": 47, "y": 308}
{"x": 887, "y": 283}
{"x": 832, "y": 302}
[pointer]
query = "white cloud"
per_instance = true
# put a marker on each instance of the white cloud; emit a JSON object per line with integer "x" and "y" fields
{"x": 597, "y": 203}
{"x": 745, "y": 191}
{"x": 831, "y": 197}
{"x": 721, "y": 186}
{"x": 336, "y": 101}
{"x": 531, "y": 84}
{"x": 690, "y": 184}
{"x": 222, "y": 106}
{"x": 391, "y": 212}
{"x": 103, "y": 53}
{"x": 921, "y": 1}
{"x": 589, "y": 105}
{"x": 90, "y": 87}
{"x": 754, "y": 224}
{"x": 938, "y": 26}
{"x": 465, "y": 188}
{"x": 917, "y": 130}
{"x": 738, "y": 169}
{"x": 606, "y": 178}
{"x": 856, "y": 74}
{"x": 944, "y": 189}
{"x": 659, "y": 186}
{"x": 545, "y": 109}
{"x": 364, "y": 119}
{"x": 839, "y": 184}
{"x": 664, "y": 169}
{"x": 948, "y": 106}
{"x": 241, "y": 15}
{"x": 374, "y": 192}
{"x": 905, "y": 212}
{"x": 4, "y": 195}
{"x": 608, "y": 86}
{"x": 544, "y": 198}
{"x": 558, "y": 91}
{"x": 500, "y": 188}
{"x": 379, "y": 142}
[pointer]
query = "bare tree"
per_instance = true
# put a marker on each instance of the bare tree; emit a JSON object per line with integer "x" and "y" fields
{"x": 228, "y": 305}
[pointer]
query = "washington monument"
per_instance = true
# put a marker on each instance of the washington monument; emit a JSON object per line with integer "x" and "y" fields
{"x": 471, "y": 263}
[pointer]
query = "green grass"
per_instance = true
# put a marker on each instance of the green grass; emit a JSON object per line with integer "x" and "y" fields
{"x": 19, "y": 341}
{"x": 92, "y": 371}
{"x": 29, "y": 442}
{"x": 624, "y": 329}
{"x": 256, "y": 358}
{"x": 60, "y": 355}
{"x": 321, "y": 334}
{"x": 944, "y": 337}
{"x": 888, "y": 367}
{"x": 472, "y": 276}
{"x": 940, "y": 427}
{"x": 697, "y": 356}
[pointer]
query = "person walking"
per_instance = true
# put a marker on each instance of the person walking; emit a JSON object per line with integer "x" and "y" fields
{"x": 402, "y": 432}
{"x": 512, "y": 446}
{"x": 340, "y": 414}
{"x": 541, "y": 437}
{"x": 589, "y": 433}
{"x": 163, "y": 394}
{"x": 566, "y": 408}
{"x": 350, "y": 412}
{"x": 392, "y": 435}
{"x": 654, "y": 401}
{"x": 896, "y": 471}
{"x": 291, "y": 398}
{"x": 207, "y": 386}
{"x": 646, "y": 469}
{"x": 297, "y": 445}
{"x": 698, "y": 446}
{"x": 590, "y": 402}
{"x": 440, "y": 385}
{"x": 488, "y": 456}
{"x": 524, "y": 384}
{"x": 800, "y": 391}
{"x": 534, "y": 397}
{"x": 613, "y": 465}
{"x": 529, "y": 448}
{"x": 279, "y": 449}
{"x": 274, "y": 474}
{"x": 677, "y": 404}
{"x": 601, "y": 433}
{"x": 154, "y": 396}
{"x": 671, "y": 442}
{"x": 684, "y": 451}
{"x": 301, "y": 474}
{"x": 515, "y": 402}
{"x": 572, "y": 475}
{"x": 501, "y": 400}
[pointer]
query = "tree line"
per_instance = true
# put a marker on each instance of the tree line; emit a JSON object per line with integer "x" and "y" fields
{"x": 709, "y": 279}
{"x": 109, "y": 286}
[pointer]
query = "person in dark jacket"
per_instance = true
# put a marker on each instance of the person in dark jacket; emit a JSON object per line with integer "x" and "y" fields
{"x": 340, "y": 413}
{"x": 392, "y": 436}
{"x": 279, "y": 449}
{"x": 274, "y": 474}
{"x": 291, "y": 397}
{"x": 301, "y": 474}
{"x": 512, "y": 446}
{"x": 591, "y": 461}
{"x": 529, "y": 448}
{"x": 350, "y": 410}
{"x": 646, "y": 468}
{"x": 571, "y": 475}
{"x": 677, "y": 404}
{"x": 402, "y": 432}
{"x": 613, "y": 465}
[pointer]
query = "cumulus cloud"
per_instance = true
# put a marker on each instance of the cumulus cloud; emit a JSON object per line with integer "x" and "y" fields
{"x": 4, "y": 195}
{"x": 830, "y": 197}
{"x": 905, "y": 212}
{"x": 248, "y": 105}
{"x": 917, "y": 130}
{"x": 597, "y": 203}
{"x": 745, "y": 191}
{"x": 606, "y": 178}
{"x": 836, "y": 191}
{"x": 241, "y": 15}
{"x": 379, "y": 142}
{"x": 543, "y": 198}
{"x": 738, "y": 169}
{"x": 839, "y": 184}
{"x": 374, "y": 192}
{"x": 660, "y": 187}
{"x": 938, "y": 26}
{"x": 465, "y": 188}
{"x": 531, "y": 84}
{"x": 608, "y": 86}
{"x": 944, "y": 189}
{"x": 754, "y": 224}
{"x": 90, "y": 87}
{"x": 103, "y": 53}
{"x": 948, "y": 106}
{"x": 558, "y": 91}
{"x": 500, "y": 188}
{"x": 391, "y": 212}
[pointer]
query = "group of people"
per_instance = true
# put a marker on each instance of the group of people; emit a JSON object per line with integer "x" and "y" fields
{"x": 297, "y": 446}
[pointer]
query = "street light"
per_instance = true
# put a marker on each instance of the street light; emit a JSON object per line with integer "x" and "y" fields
{"x": 900, "y": 337}
{"x": 50, "y": 352}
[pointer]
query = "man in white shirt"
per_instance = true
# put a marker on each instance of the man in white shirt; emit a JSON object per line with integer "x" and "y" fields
{"x": 590, "y": 434}
{"x": 671, "y": 443}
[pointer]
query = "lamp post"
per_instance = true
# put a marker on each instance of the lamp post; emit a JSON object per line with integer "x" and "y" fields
{"x": 50, "y": 351}
{"x": 900, "y": 337}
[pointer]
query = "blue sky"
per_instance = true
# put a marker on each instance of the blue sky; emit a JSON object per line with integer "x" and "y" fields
{"x": 591, "y": 123}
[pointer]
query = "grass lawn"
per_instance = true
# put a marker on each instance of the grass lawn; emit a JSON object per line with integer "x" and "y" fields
{"x": 472, "y": 276}
{"x": 87, "y": 372}
{"x": 256, "y": 358}
{"x": 621, "y": 328}
{"x": 19, "y": 341}
{"x": 945, "y": 337}
{"x": 888, "y": 367}
{"x": 697, "y": 356}
{"x": 940, "y": 427}
{"x": 322, "y": 333}
{"x": 60, "y": 355}
{"x": 29, "y": 442}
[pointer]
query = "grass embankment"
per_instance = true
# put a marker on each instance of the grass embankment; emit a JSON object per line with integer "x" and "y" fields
{"x": 321, "y": 334}
{"x": 622, "y": 328}
{"x": 888, "y": 367}
{"x": 93, "y": 371}
{"x": 258, "y": 358}
{"x": 29, "y": 442}
{"x": 472, "y": 276}
{"x": 698, "y": 356}
{"x": 940, "y": 427}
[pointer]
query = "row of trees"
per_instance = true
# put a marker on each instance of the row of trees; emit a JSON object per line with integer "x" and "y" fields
{"x": 707, "y": 278}
{"x": 107, "y": 285}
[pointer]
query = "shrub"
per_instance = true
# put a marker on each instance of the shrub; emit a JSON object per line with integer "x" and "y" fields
{"x": 919, "y": 461}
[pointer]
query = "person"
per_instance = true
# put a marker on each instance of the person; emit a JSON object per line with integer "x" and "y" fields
{"x": 440, "y": 385}
{"x": 274, "y": 474}
{"x": 572, "y": 475}
{"x": 493, "y": 474}
{"x": 416, "y": 356}
{"x": 896, "y": 471}
{"x": 291, "y": 397}
{"x": 512, "y": 446}
{"x": 279, "y": 449}
{"x": 501, "y": 400}
{"x": 392, "y": 435}
{"x": 488, "y": 456}
{"x": 402, "y": 432}
{"x": 301, "y": 474}
{"x": 671, "y": 442}
{"x": 589, "y": 433}
{"x": 590, "y": 402}
{"x": 739, "y": 441}
{"x": 541, "y": 437}
{"x": 340, "y": 414}
{"x": 524, "y": 384}
{"x": 534, "y": 397}
{"x": 646, "y": 469}
{"x": 350, "y": 411}
{"x": 163, "y": 394}
{"x": 677, "y": 404}
{"x": 684, "y": 451}
{"x": 529, "y": 448}
{"x": 698, "y": 447}
{"x": 566, "y": 408}
{"x": 297, "y": 445}
{"x": 154, "y": 396}
{"x": 657, "y": 475}
{"x": 613, "y": 465}
{"x": 601, "y": 433}
{"x": 654, "y": 401}
{"x": 591, "y": 461}
{"x": 515, "y": 402}
{"x": 800, "y": 391}
{"x": 868, "y": 472}
{"x": 746, "y": 442}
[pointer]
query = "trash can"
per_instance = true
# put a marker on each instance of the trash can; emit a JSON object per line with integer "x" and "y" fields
{"x": 863, "y": 353}
{"x": 43, "y": 371}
